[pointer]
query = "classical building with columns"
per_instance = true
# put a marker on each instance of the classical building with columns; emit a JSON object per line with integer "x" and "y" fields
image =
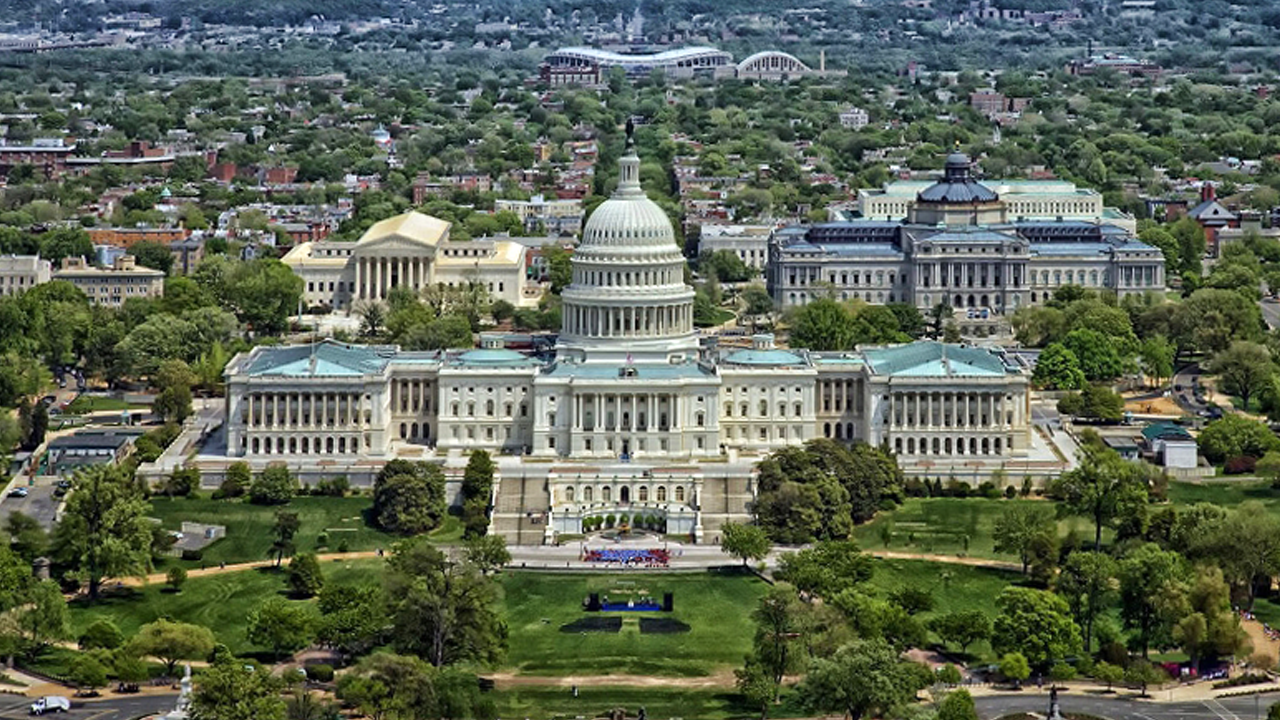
{"x": 410, "y": 251}
{"x": 631, "y": 412}
{"x": 960, "y": 242}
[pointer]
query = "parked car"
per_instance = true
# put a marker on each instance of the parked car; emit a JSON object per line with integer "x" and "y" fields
{"x": 18, "y": 492}
{"x": 50, "y": 703}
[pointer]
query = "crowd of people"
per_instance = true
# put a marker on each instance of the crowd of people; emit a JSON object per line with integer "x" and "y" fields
{"x": 656, "y": 557}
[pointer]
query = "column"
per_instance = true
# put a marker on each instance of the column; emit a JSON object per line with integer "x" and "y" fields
{"x": 892, "y": 407}
{"x": 359, "y": 289}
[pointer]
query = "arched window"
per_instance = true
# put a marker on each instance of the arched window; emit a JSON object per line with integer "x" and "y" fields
{"x": 568, "y": 494}
{"x": 644, "y": 494}
{"x": 606, "y": 493}
{"x": 662, "y": 493}
{"x": 744, "y": 409}
{"x": 471, "y": 409}
{"x": 586, "y": 494}
{"x": 798, "y": 408}
{"x": 728, "y": 409}
{"x": 680, "y": 493}
{"x": 404, "y": 431}
{"x": 764, "y": 408}
{"x": 699, "y": 420}
{"x": 488, "y": 408}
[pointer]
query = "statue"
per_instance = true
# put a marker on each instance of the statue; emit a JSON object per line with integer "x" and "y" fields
{"x": 182, "y": 707}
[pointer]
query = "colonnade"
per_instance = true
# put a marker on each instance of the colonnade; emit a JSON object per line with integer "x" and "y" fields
{"x": 933, "y": 409}
{"x": 970, "y": 274}
{"x": 840, "y": 396}
{"x": 375, "y": 276}
{"x": 305, "y": 410}
{"x": 411, "y": 396}
{"x": 628, "y": 321}
{"x": 608, "y": 411}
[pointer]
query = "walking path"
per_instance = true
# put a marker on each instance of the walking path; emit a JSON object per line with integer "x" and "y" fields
{"x": 547, "y": 557}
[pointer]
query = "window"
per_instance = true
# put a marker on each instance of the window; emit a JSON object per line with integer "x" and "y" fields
{"x": 680, "y": 493}
{"x": 728, "y": 409}
{"x": 606, "y": 494}
{"x": 662, "y": 493}
{"x": 568, "y": 494}
{"x": 586, "y": 494}
{"x": 644, "y": 494}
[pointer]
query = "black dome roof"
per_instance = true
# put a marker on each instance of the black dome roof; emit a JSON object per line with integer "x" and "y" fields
{"x": 957, "y": 184}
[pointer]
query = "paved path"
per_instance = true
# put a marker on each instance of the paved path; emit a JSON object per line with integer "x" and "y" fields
{"x": 1126, "y": 708}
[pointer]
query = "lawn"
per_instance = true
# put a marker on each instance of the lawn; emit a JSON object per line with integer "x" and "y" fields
{"x": 219, "y": 602}
{"x": 1227, "y": 493}
{"x": 941, "y": 525}
{"x": 555, "y": 703}
{"x": 249, "y": 527}
{"x": 97, "y": 403}
{"x": 716, "y": 607}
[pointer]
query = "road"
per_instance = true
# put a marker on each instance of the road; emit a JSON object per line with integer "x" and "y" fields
{"x": 1186, "y": 377}
{"x": 1242, "y": 708}
{"x": 109, "y": 708}
{"x": 1270, "y": 313}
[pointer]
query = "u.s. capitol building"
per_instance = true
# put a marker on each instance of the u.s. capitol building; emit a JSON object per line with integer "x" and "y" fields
{"x": 630, "y": 411}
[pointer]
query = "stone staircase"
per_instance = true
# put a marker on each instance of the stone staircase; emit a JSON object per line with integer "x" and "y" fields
{"x": 519, "y": 514}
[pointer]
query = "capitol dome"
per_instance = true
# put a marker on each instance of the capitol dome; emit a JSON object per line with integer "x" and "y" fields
{"x": 628, "y": 293}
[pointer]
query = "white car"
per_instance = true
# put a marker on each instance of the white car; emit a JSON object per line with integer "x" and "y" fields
{"x": 51, "y": 703}
{"x": 18, "y": 492}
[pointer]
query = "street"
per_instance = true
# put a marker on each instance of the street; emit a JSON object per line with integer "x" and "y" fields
{"x": 108, "y": 708}
{"x": 1241, "y": 708}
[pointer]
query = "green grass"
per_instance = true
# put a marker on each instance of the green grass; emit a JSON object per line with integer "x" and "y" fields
{"x": 715, "y": 606}
{"x": 1227, "y": 493}
{"x": 556, "y": 702}
{"x": 249, "y": 527}
{"x": 940, "y": 525}
{"x": 95, "y": 403}
{"x": 219, "y": 602}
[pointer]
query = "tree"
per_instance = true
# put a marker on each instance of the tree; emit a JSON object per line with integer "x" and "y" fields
{"x": 88, "y": 674}
{"x": 351, "y": 619}
{"x": 1021, "y": 527}
{"x": 1152, "y": 592}
{"x": 1235, "y": 435}
{"x": 280, "y": 625}
{"x": 821, "y": 325}
{"x": 755, "y": 686}
{"x": 862, "y": 678}
{"x": 104, "y": 531}
{"x": 408, "y": 498}
{"x": 101, "y": 635}
{"x": 957, "y": 705}
{"x": 441, "y": 611}
{"x": 43, "y": 616}
{"x": 777, "y": 617}
{"x": 1101, "y": 487}
{"x": 232, "y": 691}
{"x": 1036, "y": 624}
{"x": 1245, "y": 545}
{"x": 1110, "y": 674}
{"x": 1211, "y": 319}
{"x": 559, "y": 267}
{"x": 275, "y": 486}
{"x": 477, "y": 492}
{"x": 1099, "y": 356}
{"x": 826, "y": 569}
{"x": 236, "y": 481}
{"x": 1243, "y": 369}
{"x": 397, "y": 686}
{"x": 1157, "y": 354}
{"x": 1057, "y": 368}
{"x": 182, "y": 481}
{"x": 1096, "y": 402}
{"x": 373, "y": 318}
{"x": 756, "y": 300}
{"x": 262, "y": 293}
{"x": 176, "y": 577}
{"x": 286, "y": 526}
{"x": 1142, "y": 673}
{"x": 305, "y": 577}
{"x": 962, "y": 627}
{"x": 488, "y": 553}
{"x": 1087, "y": 582}
{"x": 153, "y": 255}
{"x": 1212, "y": 629}
{"x": 745, "y": 542}
{"x": 1015, "y": 667}
{"x": 27, "y": 537}
{"x": 170, "y": 642}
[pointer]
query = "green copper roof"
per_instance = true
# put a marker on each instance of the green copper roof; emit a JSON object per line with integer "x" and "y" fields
{"x": 763, "y": 357}
{"x": 323, "y": 359}
{"x": 1165, "y": 431}
{"x": 934, "y": 359}
{"x": 495, "y": 357}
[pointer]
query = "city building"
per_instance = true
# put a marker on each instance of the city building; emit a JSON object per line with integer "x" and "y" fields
{"x": 19, "y": 273}
{"x": 47, "y": 155}
{"x": 112, "y": 285}
{"x": 961, "y": 243}
{"x": 70, "y": 453}
{"x": 540, "y": 215}
{"x": 410, "y": 250}
{"x": 125, "y": 237}
{"x": 1213, "y": 217}
{"x": 630, "y": 410}
{"x": 854, "y": 118}
{"x": 1170, "y": 445}
{"x": 1112, "y": 62}
{"x": 749, "y": 242}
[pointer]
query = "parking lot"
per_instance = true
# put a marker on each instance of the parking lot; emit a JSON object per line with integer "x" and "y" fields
{"x": 40, "y": 502}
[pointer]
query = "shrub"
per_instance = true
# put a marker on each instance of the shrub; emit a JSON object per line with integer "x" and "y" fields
{"x": 343, "y": 547}
{"x": 915, "y": 487}
{"x": 989, "y": 490}
{"x": 275, "y": 486}
{"x": 609, "y": 520}
{"x": 1010, "y": 492}
{"x": 322, "y": 540}
{"x": 235, "y": 482}
{"x": 1240, "y": 465}
{"x": 320, "y": 673}
{"x": 333, "y": 487}
{"x": 305, "y": 577}
{"x": 955, "y": 488}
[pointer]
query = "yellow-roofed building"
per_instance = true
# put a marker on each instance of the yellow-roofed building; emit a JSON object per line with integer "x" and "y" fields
{"x": 412, "y": 250}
